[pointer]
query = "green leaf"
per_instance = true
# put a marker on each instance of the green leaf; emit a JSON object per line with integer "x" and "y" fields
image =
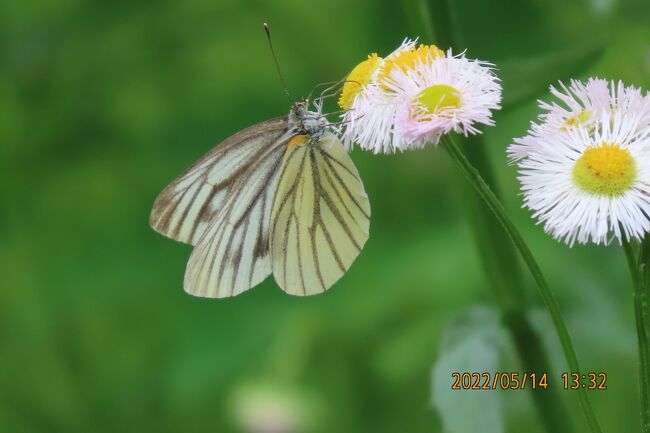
{"x": 531, "y": 46}
{"x": 417, "y": 15}
{"x": 526, "y": 78}
{"x": 470, "y": 344}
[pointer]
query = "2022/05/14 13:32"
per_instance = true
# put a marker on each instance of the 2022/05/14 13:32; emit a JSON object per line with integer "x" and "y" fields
{"x": 525, "y": 380}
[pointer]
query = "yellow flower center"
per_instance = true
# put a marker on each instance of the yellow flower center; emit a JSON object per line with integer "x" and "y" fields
{"x": 439, "y": 97}
{"x": 358, "y": 78}
{"x": 605, "y": 170}
{"x": 579, "y": 119}
{"x": 407, "y": 59}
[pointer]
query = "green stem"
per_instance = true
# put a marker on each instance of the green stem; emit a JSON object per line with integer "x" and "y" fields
{"x": 503, "y": 271}
{"x": 632, "y": 255}
{"x": 437, "y": 21}
{"x": 638, "y": 260}
{"x": 496, "y": 207}
{"x": 505, "y": 280}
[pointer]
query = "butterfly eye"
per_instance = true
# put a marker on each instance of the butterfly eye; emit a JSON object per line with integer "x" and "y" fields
{"x": 300, "y": 108}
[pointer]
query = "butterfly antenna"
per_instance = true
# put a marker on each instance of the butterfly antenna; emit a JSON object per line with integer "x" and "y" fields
{"x": 275, "y": 60}
{"x": 319, "y": 85}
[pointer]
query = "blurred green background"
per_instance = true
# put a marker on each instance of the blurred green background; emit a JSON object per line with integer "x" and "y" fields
{"x": 104, "y": 103}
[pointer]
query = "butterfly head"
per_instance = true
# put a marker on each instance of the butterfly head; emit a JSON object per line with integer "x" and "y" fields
{"x": 305, "y": 122}
{"x": 300, "y": 108}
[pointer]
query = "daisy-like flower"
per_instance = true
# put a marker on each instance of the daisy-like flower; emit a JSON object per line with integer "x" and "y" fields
{"x": 580, "y": 104}
{"x": 444, "y": 95}
{"x": 367, "y": 120}
{"x": 414, "y": 96}
{"x": 592, "y": 180}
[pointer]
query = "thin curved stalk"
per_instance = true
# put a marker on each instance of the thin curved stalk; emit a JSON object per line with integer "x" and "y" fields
{"x": 505, "y": 280}
{"x": 638, "y": 262}
{"x": 552, "y": 306}
{"x": 438, "y": 21}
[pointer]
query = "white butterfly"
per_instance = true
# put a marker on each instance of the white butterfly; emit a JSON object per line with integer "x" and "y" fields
{"x": 281, "y": 196}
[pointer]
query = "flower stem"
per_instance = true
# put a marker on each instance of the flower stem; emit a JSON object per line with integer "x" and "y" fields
{"x": 497, "y": 208}
{"x": 437, "y": 21}
{"x": 639, "y": 261}
{"x": 505, "y": 279}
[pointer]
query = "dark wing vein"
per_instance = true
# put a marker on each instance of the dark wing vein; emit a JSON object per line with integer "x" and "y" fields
{"x": 340, "y": 181}
{"x": 208, "y": 181}
{"x": 232, "y": 254}
{"x": 327, "y": 211}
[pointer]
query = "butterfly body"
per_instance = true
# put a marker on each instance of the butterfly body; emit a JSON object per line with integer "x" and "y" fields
{"x": 281, "y": 196}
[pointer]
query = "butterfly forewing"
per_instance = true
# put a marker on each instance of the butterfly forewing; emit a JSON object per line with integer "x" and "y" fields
{"x": 320, "y": 218}
{"x": 190, "y": 203}
{"x": 233, "y": 252}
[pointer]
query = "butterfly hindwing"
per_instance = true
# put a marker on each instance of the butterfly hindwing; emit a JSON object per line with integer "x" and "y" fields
{"x": 320, "y": 217}
{"x": 186, "y": 207}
